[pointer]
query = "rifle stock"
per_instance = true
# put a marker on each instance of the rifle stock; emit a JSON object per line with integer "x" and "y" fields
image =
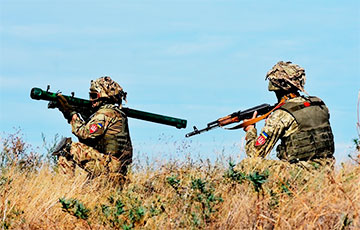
{"x": 83, "y": 107}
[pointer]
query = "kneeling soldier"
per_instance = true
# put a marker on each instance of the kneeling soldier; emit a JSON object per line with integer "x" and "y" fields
{"x": 301, "y": 123}
{"x": 104, "y": 141}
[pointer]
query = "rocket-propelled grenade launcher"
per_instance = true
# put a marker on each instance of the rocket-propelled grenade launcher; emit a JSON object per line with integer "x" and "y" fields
{"x": 83, "y": 107}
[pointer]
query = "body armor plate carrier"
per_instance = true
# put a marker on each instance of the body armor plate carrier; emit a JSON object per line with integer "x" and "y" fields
{"x": 116, "y": 140}
{"x": 314, "y": 139}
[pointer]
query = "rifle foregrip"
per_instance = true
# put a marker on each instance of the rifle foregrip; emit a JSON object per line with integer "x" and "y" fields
{"x": 228, "y": 121}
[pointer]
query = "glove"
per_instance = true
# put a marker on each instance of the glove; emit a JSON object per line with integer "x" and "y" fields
{"x": 66, "y": 109}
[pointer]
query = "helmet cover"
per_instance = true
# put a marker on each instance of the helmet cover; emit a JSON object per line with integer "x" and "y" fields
{"x": 285, "y": 75}
{"x": 107, "y": 88}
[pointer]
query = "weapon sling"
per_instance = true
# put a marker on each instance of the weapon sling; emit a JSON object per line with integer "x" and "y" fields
{"x": 257, "y": 119}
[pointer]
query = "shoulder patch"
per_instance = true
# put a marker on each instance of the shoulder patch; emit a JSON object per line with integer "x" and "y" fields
{"x": 95, "y": 127}
{"x": 261, "y": 139}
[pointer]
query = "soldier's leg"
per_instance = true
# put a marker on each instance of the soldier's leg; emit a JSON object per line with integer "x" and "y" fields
{"x": 325, "y": 165}
{"x": 62, "y": 151}
{"x": 66, "y": 166}
{"x": 92, "y": 161}
{"x": 118, "y": 167}
{"x": 252, "y": 164}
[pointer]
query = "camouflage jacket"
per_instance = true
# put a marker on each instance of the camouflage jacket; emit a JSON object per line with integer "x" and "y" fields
{"x": 281, "y": 125}
{"x": 107, "y": 131}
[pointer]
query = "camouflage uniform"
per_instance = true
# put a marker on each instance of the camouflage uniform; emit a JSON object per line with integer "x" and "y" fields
{"x": 278, "y": 124}
{"x": 281, "y": 125}
{"x": 308, "y": 147}
{"x": 105, "y": 144}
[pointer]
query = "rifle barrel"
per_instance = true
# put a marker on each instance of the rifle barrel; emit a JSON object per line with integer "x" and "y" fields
{"x": 209, "y": 126}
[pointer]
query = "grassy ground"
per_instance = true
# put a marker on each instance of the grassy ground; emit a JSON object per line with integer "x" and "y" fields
{"x": 182, "y": 195}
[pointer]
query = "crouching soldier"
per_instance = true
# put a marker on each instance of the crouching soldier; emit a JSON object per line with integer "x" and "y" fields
{"x": 104, "y": 145}
{"x": 301, "y": 123}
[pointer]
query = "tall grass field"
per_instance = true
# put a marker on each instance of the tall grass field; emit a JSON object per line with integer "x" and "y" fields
{"x": 255, "y": 194}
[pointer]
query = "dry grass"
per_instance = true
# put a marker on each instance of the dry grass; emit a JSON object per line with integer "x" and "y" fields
{"x": 181, "y": 195}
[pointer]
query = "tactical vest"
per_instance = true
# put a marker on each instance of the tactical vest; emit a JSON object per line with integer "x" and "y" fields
{"x": 314, "y": 139}
{"x": 116, "y": 139}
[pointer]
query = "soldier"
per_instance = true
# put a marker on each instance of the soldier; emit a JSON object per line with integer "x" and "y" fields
{"x": 104, "y": 142}
{"x": 301, "y": 123}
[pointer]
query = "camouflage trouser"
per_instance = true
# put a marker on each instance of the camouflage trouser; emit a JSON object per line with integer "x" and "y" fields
{"x": 321, "y": 164}
{"x": 255, "y": 163}
{"x": 302, "y": 170}
{"x": 91, "y": 160}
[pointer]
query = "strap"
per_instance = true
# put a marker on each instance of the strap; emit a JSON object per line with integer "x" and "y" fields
{"x": 305, "y": 104}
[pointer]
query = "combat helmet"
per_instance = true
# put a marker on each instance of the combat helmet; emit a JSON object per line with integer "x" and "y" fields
{"x": 106, "y": 89}
{"x": 286, "y": 76}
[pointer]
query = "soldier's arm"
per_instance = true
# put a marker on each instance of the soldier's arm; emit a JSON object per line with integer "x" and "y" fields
{"x": 90, "y": 130}
{"x": 275, "y": 127}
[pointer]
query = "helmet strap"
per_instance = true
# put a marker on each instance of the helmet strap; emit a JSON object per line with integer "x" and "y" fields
{"x": 291, "y": 95}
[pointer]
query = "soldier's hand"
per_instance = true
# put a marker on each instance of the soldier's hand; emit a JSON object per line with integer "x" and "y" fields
{"x": 247, "y": 128}
{"x": 66, "y": 109}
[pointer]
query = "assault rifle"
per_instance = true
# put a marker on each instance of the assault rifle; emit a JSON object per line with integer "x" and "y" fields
{"x": 83, "y": 107}
{"x": 233, "y": 118}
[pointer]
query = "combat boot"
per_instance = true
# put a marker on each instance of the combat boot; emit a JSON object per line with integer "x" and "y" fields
{"x": 63, "y": 148}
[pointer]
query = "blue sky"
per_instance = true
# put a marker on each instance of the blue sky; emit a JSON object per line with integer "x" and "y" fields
{"x": 194, "y": 59}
